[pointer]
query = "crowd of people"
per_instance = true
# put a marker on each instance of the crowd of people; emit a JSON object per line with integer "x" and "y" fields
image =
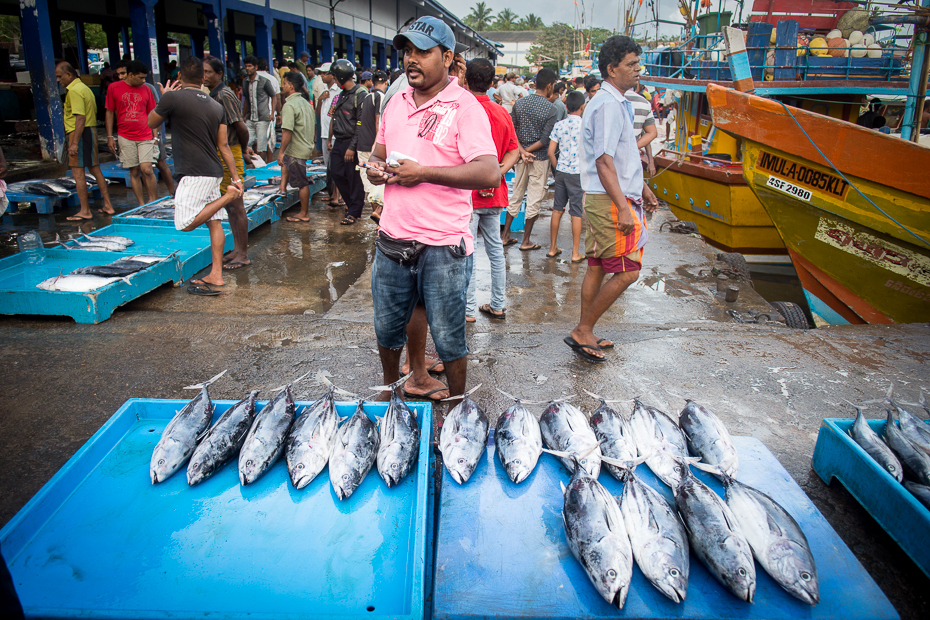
{"x": 427, "y": 148}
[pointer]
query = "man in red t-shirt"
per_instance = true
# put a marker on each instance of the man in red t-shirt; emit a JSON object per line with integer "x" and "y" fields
{"x": 129, "y": 101}
{"x": 488, "y": 203}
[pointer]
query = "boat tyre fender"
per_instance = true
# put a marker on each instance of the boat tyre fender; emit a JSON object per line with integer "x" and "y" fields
{"x": 736, "y": 262}
{"x": 794, "y": 315}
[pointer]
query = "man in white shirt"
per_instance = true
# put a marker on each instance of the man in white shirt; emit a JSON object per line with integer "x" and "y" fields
{"x": 325, "y": 103}
{"x": 276, "y": 84}
{"x": 509, "y": 92}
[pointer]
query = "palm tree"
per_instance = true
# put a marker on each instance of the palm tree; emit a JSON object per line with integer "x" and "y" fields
{"x": 506, "y": 20}
{"x": 480, "y": 16}
{"x": 532, "y": 22}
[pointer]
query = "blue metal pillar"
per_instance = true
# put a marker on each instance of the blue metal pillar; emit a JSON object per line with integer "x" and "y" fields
{"x": 214, "y": 15}
{"x": 38, "y": 49}
{"x": 365, "y": 60}
{"x": 278, "y": 44}
{"x": 263, "y": 48}
{"x": 327, "y": 44}
{"x": 394, "y": 64}
{"x": 124, "y": 39}
{"x": 112, "y": 43}
{"x": 161, "y": 33}
{"x": 144, "y": 46}
{"x": 300, "y": 40}
{"x": 382, "y": 56}
{"x": 81, "y": 47}
{"x": 196, "y": 44}
{"x": 350, "y": 47}
{"x": 231, "y": 39}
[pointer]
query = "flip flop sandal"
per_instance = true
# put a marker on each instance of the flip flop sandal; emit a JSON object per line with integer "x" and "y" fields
{"x": 601, "y": 344}
{"x": 203, "y": 291}
{"x": 233, "y": 265}
{"x": 557, "y": 252}
{"x": 427, "y": 396}
{"x": 535, "y": 246}
{"x": 349, "y": 220}
{"x": 486, "y": 309}
{"x": 435, "y": 364}
{"x": 509, "y": 242}
{"x": 580, "y": 349}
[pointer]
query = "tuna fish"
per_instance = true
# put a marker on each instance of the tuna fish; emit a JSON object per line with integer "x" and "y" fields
{"x": 264, "y": 444}
{"x": 112, "y": 246}
{"x": 597, "y": 536}
{"x": 776, "y": 539}
{"x": 518, "y": 440}
{"x": 913, "y": 427}
{"x": 715, "y": 536}
{"x": 915, "y": 461}
{"x": 708, "y": 438}
{"x": 180, "y": 437}
{"x": 663, "y": 448}
{"x": 869, "y": 441}
{"x": 355, "y": 452}
{"x": 126, "y": 241}
{"x": 77, "y": 283}
{"x": 565, "y": 428}
{"x": 400, "y": 437}
{"x": 464, "y": 437}
{"x": 920, "y": 491}
{"x": 311, "y": 441}
{"x": 615, "y": 435}
{"x": 221, "y": 444}
{"x": 117, "y": 269}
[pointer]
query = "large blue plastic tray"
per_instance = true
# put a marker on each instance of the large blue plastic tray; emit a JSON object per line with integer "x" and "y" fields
{"x": 100, "y": 541}
{"x": 256, "y": 217}
{"x": 905, "y": 519}
{"x": 19, "y": 295}
{"x": 501, "y": 553}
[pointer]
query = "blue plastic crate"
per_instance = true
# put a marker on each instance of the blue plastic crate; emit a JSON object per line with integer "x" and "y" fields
{"x": 19, "y": 295}
{"x": 100, "y": 541}
{"x": 905, "y": 519}
{"x": 501, "y": 553}
{"x": 256, "y": 217}
{"x": 518, "y": 222}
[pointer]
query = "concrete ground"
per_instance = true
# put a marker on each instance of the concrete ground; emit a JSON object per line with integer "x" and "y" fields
{"x": 305, "y": 304}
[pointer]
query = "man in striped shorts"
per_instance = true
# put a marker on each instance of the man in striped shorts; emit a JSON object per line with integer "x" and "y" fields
{"x": 612, "y": 177}
{"x": 198, "y": 130}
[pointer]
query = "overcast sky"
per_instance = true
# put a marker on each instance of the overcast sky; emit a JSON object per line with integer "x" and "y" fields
{"x": 602, "y": 13}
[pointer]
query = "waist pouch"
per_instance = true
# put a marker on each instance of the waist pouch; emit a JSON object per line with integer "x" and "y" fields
{"x": 401, "y": 251}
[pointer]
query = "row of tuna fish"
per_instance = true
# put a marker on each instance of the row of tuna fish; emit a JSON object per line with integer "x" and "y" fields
{"x": 94, "y": 277}
{"x": 606, "y": 534}
{"x": 904, "y": 449}
{"x": 310, "y": 441}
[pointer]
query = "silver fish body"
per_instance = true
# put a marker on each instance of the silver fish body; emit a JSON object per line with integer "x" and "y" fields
{"x": 869, "y": 441}
{"x": 311, "y": 441}
{"x": 776, "y": 539}
{"x": 913, "y": 427}
{"x": 111, "y": 246}
{"x": 463, "y": 439}
{"x": 264, "y": 443}
{"x": 615, "y": 435}
{"x": 77, "y": 283}
{"x": 565, "y": 428}
{"x": 126, "y": 241}
{"x": 179, "y": 438}
{"x": 597, "y": 536}
{"x": 657, "y": 537}
{"x": 222, "y": 443}
{"x": 920, "y": 491}
{"x": 117, "y": 269}
{"x": 709, "y": 438}
{"x": 354, "y": 453}
{"x": 664, "y": 453}
{"x": 518, "y": 442}
{"x": 914, "y": 460}
{"x": 399, "y": 442}
{"x": 715, "y": 536}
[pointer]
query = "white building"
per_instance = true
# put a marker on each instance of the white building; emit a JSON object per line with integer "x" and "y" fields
{"x": 514, "y": 45}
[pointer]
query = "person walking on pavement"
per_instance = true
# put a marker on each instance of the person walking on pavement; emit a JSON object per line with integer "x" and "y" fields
{"x": 440, "y": 138}
{"x": 275, "y": 118}
{"x": 533, "y": 118}
{"x": 509, "y": 92}
{"x": 81, "y": 139}
{"x": 258, "y": 101}
{"x": 297, "y": 130}
{"x": 615, "y": 195}
{"x": 369, "y": 118}
{"x": 566, "y": 137}
{"x": 198, "y": 132}
{"x": 236, "y": 134}
{"x": 323, "y": 107}
{"x": 343, "y": 157}
{"x": 488, "y": 203}
{"x": 128, "y": 104}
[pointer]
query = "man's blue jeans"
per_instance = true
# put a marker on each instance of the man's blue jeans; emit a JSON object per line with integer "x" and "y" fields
{"x": 488, "y": 221}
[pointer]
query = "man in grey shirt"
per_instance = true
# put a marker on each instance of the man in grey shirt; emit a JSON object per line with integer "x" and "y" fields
{"x": 258, "y": 100}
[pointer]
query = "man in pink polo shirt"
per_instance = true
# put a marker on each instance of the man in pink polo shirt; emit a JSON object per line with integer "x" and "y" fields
{"x": 433, "y": 147}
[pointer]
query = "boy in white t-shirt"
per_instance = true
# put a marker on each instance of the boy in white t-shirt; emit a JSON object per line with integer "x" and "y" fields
{"x": 566, "y": 137}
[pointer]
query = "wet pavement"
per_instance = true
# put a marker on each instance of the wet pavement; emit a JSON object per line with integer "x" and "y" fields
{"x": 305, "y": 304}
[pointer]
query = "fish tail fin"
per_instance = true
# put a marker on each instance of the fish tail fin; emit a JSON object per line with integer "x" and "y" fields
{"x": 711, "y": 469}
{"x": 687, "y": 400}
{"x": 320, "y": 377}
{"x": 392, "y": 386}
{"x": 207, "y": 382}
{"x": 594, "y": 396}
{"x": 510, "y": 396}
{"x": 562, "y": 484}
{"x": 465, "y": 395}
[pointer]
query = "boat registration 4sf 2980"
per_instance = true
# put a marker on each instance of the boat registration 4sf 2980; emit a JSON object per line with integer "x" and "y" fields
{"x": 789, "y": 188}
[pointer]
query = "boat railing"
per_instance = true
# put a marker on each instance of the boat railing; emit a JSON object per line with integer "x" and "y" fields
{"x": 699, "y": 158}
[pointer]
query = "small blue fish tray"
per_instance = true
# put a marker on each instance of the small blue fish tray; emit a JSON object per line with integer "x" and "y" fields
{"x": 19, "y": 295}
{"x": 46, "y": 204}
{"x": 115, "y": 170}
{"x": 905, "y": 519}
{"x": 100, "y": 541}
{"x": 256, "y": 217}
{"x": 501, "y": 552}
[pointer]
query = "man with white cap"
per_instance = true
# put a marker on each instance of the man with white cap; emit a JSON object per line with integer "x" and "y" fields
{"x": 434, "y": 145}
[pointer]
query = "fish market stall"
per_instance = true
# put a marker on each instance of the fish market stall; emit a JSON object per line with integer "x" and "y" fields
{"x": 501, "y": 552}
{"x": 259, "y": 208}
{"x": 46, "y": 194}
{"x": 115, "y": 170}
{"x": 101, "y": 541}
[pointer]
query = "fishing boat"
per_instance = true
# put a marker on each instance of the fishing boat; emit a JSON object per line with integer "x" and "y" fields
{"x": 852, "y": 206}
{"x": 700, "y": 173}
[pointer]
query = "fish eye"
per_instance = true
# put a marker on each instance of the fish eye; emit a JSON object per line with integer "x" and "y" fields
{"x": 461, "y": 461}
{"x": 677, "y": 469}
{"x": 345, "y": 476}
{"x": 300, "y": 466}
{"x": 394, "y": 466}
{"x": 161, "y": 461}
{"x": 517, "y": 462}
{"x": 742, "y": 572}
{"x": 892, "y": 468}
{"x": 805, "y": 576}
{"x": 248, "y": 463}
{"x": 611, "y": 573}
{"x": 674, "y": 572}
{"x": 584, "y": 462}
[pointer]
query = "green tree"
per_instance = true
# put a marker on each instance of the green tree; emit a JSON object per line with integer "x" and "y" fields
{"x": 532, "y": 22}
{"x": 480, "y": 17}
{"x": 559, "y": 41}
{"x": 506, "y": 20}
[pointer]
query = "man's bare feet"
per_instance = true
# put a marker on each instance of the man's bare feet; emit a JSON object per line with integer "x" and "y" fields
{"x": 590, "y": 340}
{"x": 297, "y": 218}
{"x": 104, "y": 211}
{"x": 212, "y": 281}
{"x": 432, "y": 365}
{"x": 431, "y": 388}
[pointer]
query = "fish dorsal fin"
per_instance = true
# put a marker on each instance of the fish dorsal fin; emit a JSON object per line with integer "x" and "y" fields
{"x": 653, "y": 525}
{"x": 198, "y": 386}
{"x": 562, "y": 484}
{"x": 392, "y": 386}
{"x": 773, "y": 526}
{"x": 463, "y": 396}
{"x": 205, "y": 432}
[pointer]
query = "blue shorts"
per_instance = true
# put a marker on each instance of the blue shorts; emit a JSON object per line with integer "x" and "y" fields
{"x": 438, "y": 280}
